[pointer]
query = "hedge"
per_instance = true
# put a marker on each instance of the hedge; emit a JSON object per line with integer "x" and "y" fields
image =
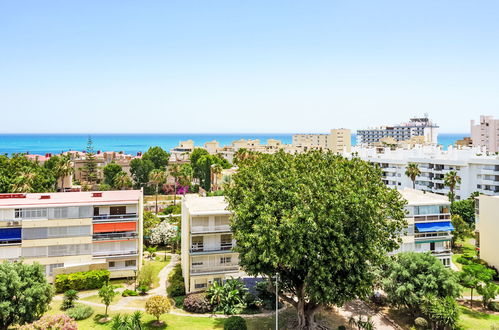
{"x": 235, "y": 323}
{"x": 93, "y": 279}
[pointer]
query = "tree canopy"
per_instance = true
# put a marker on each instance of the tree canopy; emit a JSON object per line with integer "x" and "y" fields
{"x": 157, "y": 156}
{"x": 20, "y": 174}
{"x": 317, "y": 219}
{"x": 24, "y": 293}
{"x": 110, "y": 172}
{"x": 466, "y": 209}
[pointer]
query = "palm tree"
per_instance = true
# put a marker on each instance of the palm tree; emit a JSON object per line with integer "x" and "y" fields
{"x": 175, "y": 172}
{"x": 122, "y": 180}
{"x": 157, "y": 177}
{"x": 63, "y": 168}
{"x": 412, "y": 171}
{"x": 24, "y": 182}
{"x": 451, "y": 179}
{"x": 186, "y": 174}
{"x": 216, "y": 169}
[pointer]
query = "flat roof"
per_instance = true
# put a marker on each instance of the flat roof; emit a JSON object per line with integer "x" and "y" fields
{"x": 71, "y": 198}
{"x": 199, "y": 205}
{"x": 419, "y": 197}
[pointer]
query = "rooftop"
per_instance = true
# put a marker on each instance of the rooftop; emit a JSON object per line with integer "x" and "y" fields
{"x": 64, "y": 198}
{"x": 419, "y": 197}
{"x": 198, "y": 205}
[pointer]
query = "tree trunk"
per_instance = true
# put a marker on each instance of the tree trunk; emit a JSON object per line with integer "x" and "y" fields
{"x": 306, "y": 316}
{"x": 156, "y": 200}
{"x": 413, "y": 184}
{"x": 471, "y": 300}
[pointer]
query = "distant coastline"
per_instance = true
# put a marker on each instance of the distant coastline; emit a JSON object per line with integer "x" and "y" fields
{"x": 133, "y": 143}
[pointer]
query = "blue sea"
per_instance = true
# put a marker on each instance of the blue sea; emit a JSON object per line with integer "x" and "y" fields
{"x": 133, "y": 143}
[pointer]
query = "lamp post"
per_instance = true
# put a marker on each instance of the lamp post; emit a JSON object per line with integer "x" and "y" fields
{"x": 276, "y": 301}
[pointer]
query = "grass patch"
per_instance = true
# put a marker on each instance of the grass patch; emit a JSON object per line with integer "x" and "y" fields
{"x": 157, "y": 266}
{"x": 96, "y": 299}
{"x": 475, "y": 320}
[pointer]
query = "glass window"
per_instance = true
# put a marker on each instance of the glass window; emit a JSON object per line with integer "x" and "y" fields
{"x": 130, "y": 263}
{"x": 112, "y": 264}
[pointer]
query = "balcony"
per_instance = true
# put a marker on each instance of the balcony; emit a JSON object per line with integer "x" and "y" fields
{"x": 431, "y": 217}
{"x": 114, "y": 236}
{"x": 114, "y": 253}
{"x": 120, "y": 217}
{"x": 489, "y": 171}
{"x": 439, "y": 235}
{"x": 215, "y": 269}
{"x": 201, "y": 249}
{"x": 210, "y": 229}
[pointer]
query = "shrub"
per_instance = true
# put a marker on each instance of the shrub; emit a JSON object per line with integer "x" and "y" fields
{"x": 227, "y": 298}
{"x": 252, "y": 302}
{"x": 493, "y": 306}
{"x": 52, "y": 322}
{"x": 93, "y": 279}
{"x": 145, "y": 277}
{"x": 127, "y": 321}
{"x": 80, "y": 312}
{"x": 129, "y": 292}
{"x": 197, "y": 303}
{"x": 267, "y": 297}
{"x": 235, "y": 323}
{"x": 176, "y": 289}
{"x": 463, "y": 261}
{"x": 70, "y": 297}
{"x": 420, "y": 322}
{"x": 179, "y": 301}
{"x": 143, "y": 290}
{"x": 157, "y": 306}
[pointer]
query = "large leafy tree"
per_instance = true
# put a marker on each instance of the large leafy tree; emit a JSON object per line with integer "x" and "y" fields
{"x": 466, "y": 209}
{"x": 475, "y": 275}
{"x": 24, "y": 293}
{"x": 411, "y": 276}
{"x": 140, "y": 169}
{"x": 461, "y": 229}
{"x": 157, "y": 156}
{"x": 319, "y": 220}
{"x": 412, "y": 171}
{"x": 110, "y": 172}
{"x": 20, "y": 174}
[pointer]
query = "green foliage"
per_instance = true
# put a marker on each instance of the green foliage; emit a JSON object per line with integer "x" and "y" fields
{"x": 466, "y": 209}
{"x": 412, "y": 171}
{"x": 24, "y": 293}
{"x": 227, "y": 298}
{"x": 463, "y": 260}
{"x": 411, "y": 276}
{"x": 151, "y": 220}
{"x": 140, "y": 169}
{"x": 461, "y": 229}
{"x": 127, "y": 321}
{"x": 360, "y": 323}
{"x": 128, "y": 292}
{"x": 157, "y": 156}
{"x": 421, "y": 323}
{"x": 442, "y": 312}
{"x": 197, "y": 303}
{"x": 143, "y": 289}
{"x": 110, "y": 172}
{"x": 52, "y": 322}
{"x": 235, "y": 323}
{"x": 488, "y": 291}
{"x": 451, "y": 180}
{"x": 157, "y": 306}
{"x": 93, "y": 279}
{"x": 176, "y": 285}
{"x": 80, "y": 312}
{"x": 179, "y": 301}
{"x": 265, "y": 294}
{"x": 172, "y": 209}
{"x": 90, "y": 167}
{"x": 146, "y": 275}
{"x": 107, "y": 294}
{"x": 319, "y": 220}
{"x": 201, "y": 163}
{"x": 19, "y": 174}
{"x": 475, "y": 275}
{"x": 70, "y": 297}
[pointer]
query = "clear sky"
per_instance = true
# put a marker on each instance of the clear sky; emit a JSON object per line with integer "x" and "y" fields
{"x": 245, "y": 66}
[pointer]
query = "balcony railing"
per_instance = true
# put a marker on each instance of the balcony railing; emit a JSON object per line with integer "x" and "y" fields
{"x": 432, "y": 235}
{"x": 207, "y": 229}
{"x": 107, "y": 217}
{"x": 195, "y": 248}
{"x": 114, "y": 253}
{"x": 112, "y": 236}
{"x": 431, "y": 217}
{"x": 215, "y": 269}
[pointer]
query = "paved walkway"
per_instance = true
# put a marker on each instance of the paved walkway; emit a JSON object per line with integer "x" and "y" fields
{"x": 356, "y": 307}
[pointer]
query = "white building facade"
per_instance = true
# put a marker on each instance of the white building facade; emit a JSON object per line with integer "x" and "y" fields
{"x": 486, "y": 133}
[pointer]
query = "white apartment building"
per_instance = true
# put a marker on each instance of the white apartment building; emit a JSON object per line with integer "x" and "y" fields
{"x": 401, "y": 132}
{"x": 73, "y": 231}
{"x": 429, "y": 225}
{"x": 478, "y": 170}
{"x": 338, "y": 140}
{"x": 486, "y": 133}
{"x": 487, "y": 227}
{"x": 207, "y": 242}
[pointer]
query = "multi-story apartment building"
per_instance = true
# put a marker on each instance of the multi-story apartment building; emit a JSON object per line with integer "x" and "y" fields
{"x": 338, "y": 140}
{"x": 73, "y": 231}
{"x": 429, "y": 224}
{"x": 478, "y": 170}
{"x": 207, "y": 242}
{"x": 486, "y": 133}
{"x": 402, "y": 132}
{"x": 487, "y": 228}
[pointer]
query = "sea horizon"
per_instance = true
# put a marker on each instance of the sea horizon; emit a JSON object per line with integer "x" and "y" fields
{"x": 131, "y": 143}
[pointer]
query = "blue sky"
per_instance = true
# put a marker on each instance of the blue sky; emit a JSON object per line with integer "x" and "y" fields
{"x": 253, "y": 66}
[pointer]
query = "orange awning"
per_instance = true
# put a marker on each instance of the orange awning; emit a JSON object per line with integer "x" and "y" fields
{"x": 114, "y": 227}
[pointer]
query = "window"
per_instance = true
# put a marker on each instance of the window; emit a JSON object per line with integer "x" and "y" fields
{"x": 130, "y": 263}
{"x": 60, "y": 213}
{"x": 225, "y": 260}
{"x": 49, "y": 269}
{"x": 112, "y": 264}
{"x": 18, "y": 214}
{"x": 196, "y": 263}
{"x": 199, "y": 285}
{"x": 37, "y": 213}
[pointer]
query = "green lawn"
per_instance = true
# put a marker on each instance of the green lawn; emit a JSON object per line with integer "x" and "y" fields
{"x": 475, "y": 320}
{"x": 96, "y": 299}
{"x": 157, "y": 266}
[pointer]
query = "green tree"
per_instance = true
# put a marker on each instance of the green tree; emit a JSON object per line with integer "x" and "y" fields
{"x": 320, "y": 221}
{"x": 451, "y": 180}
{"x": 411, "y": 276}
{"x": 107, "y": 294}
{"x": 442, "y": 312}
{"x": 461, "y": 229}
{"x": 110, "y": 172}
{"x": 157, "y": 178}
{"x": 466, "y": 209}
{"x": 158, "y": 157}
{"x": 194, "y": 157}
{"x": 216, "y": 169}
{"x": 25, "y": 294}
{"x": 63, "y": 169}
{"x": 227, "y": 298}
{"x": 20, "y": 174}
{"x": 70, "y": 296}
{"x": 185, "y": 177}
{"x": 157, "y": 306}
{"x": 151, "y": 220}
{"x": 488, "y": 291}
{"x": 140, "y": 169}
{"x": 475, "y": 275}
{"x": 174, "y": 171}
{"x": 90, "y": 167}
{"x": 412, "y": 171}
{"x": 122, "y": 181}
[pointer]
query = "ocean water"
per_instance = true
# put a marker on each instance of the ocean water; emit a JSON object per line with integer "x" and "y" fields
{"x": 133, "y": 143}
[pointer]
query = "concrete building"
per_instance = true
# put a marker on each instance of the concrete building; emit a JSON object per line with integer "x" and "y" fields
{"x": 338, "y": 140}
{"x": 429, "y": 225}
{"x": 207, "y": 242}
{"x": 73, "y": 231}
{"x": 487, "y": 227}
{"x": 401, "y": 132}
{"x": 478, "y": 170}
{"x": 486, "y": 133}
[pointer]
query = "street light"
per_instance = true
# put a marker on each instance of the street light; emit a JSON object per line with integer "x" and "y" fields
{"x": 276, "y": 301}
